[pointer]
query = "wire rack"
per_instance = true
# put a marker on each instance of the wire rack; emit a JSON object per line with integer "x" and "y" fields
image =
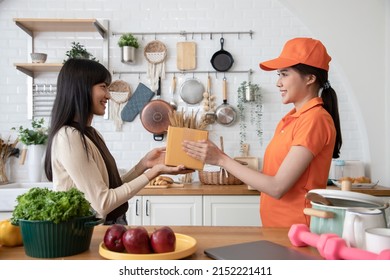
{"x": 43, "y": 99}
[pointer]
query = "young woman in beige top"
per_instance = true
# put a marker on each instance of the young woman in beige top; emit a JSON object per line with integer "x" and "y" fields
{"x": 77, "y": 155}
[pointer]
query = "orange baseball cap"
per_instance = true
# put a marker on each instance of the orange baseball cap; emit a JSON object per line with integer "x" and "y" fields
{"x": 300, "y": 50}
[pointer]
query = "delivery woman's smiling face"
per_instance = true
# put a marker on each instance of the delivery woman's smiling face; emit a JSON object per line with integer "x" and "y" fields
{"x": 292, "y": 85}
{"x": 100, "y": 97}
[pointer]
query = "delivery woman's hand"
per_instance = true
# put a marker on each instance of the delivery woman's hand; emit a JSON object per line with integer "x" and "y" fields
{"x": 205, "y": 151}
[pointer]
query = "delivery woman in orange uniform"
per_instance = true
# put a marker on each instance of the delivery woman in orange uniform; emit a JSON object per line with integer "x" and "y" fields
{"x": 299, "y": 155}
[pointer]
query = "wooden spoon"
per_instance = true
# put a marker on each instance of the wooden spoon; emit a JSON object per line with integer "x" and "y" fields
{"x": 317, "y": 198}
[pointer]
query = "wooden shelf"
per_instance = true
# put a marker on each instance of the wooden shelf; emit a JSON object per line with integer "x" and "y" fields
{"x": 31, "y": 68}
{"x": 30, "y": 25}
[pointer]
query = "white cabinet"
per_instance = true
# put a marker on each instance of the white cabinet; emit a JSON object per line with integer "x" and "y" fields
{"x": 231, "y": 210}
{"x": 179, "y": 210}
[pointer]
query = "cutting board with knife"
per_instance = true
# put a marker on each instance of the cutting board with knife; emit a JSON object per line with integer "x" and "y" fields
{"x": 252, "y": 162}
{"x": 186, "y": 56}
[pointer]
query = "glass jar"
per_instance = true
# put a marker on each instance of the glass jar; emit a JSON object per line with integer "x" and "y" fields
{"x": 339, "y": 169}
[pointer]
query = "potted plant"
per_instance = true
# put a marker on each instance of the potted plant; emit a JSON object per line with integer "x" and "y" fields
{"x": 250, "y": 105}
{"x": 35, "y": 145}
{"x": 79, "y": 51}
{"x": 128, "y": 43}
{"x": 54, "y": 224}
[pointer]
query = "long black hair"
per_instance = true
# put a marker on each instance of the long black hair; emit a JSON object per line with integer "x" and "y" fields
{"x": 74, "y": 99}
{"x": 329, "y": 98}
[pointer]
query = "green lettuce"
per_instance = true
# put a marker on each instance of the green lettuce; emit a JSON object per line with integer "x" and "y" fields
{"x": 43, "y": 204}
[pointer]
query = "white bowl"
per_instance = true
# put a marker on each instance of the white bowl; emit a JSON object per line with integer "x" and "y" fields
{"x": 38, "y": 57}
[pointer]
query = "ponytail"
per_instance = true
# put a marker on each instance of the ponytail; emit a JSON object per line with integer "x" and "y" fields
{"x": 329, "y": 98}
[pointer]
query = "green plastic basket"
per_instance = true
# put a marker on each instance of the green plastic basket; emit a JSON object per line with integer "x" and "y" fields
{"x": 45, "y": 239}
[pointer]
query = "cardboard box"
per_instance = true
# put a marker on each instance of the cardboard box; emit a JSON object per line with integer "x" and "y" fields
{"x": 175, "y": 154}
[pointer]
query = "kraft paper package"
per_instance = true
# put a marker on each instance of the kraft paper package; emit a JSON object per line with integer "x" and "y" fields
{"x": 175, "y": 155}
{"x": 137, "y": 102}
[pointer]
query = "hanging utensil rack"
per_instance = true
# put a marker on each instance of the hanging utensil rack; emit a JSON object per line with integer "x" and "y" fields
{"x": 186, "y": 34}
{"x": 249, "y": 72}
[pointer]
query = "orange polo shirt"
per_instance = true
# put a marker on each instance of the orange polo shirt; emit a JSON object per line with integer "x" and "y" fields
{"x": 311, "y": 127}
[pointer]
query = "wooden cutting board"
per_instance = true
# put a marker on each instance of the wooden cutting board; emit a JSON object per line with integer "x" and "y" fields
{"x": 252, "y": 162}
{"x": 173, "y": 185}
{"x": 186, "y": 55}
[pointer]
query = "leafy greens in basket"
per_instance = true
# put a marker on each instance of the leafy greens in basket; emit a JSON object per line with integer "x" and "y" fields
{"x": 43, "y": 204}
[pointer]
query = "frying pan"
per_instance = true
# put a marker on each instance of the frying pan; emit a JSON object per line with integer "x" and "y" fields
{"x": 226, "y": 114}
{"x": 191, "y": 91}
{"x": 222, "y": 60}
{"x": 155, "y": 116}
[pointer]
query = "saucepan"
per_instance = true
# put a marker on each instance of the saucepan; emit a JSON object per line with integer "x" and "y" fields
{"x": 226, "y": 114}
{"x": 330, "y": 218}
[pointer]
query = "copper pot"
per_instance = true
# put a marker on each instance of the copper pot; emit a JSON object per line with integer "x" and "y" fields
{"x": 155, "y": 116}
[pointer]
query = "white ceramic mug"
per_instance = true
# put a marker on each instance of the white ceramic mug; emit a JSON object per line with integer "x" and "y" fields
{"x": 357, "y": 220}
{"x": 377, "y": 239}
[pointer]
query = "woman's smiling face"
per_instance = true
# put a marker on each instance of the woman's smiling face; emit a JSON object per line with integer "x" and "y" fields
{"x": 293, "y": 86}
{"x": 100, "y": 97}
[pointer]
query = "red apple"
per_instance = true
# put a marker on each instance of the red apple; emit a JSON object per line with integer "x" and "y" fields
{"x": 163, "y": 240}
{"x": 136, "y": 241}
{"x": 113, "y": 238}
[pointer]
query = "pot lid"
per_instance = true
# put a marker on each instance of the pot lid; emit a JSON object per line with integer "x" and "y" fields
{"x": 350, "y": 198}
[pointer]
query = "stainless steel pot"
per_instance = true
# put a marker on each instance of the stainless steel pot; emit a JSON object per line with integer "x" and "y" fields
{"x": 226, "y": 114}
{"x": 330, "y": 219}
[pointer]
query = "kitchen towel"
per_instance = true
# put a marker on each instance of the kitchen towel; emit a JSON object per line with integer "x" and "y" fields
{"x": 136, "y": 103}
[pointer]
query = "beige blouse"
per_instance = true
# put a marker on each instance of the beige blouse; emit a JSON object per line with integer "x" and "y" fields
{"x": 72, "y": 168}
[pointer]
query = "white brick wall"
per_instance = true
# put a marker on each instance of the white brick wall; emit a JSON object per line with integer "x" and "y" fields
{"x": 272, "y": 23}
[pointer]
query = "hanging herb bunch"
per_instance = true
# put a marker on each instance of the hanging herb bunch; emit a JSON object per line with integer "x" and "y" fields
{"x": 250, "y": 105}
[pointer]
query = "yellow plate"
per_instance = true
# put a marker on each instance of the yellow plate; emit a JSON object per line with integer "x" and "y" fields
{"x": 185, "y": 246}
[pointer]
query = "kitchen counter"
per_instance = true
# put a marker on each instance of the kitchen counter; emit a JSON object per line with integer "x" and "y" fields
{"x": 197, "y": 188}
{"x": 206, "y": 237}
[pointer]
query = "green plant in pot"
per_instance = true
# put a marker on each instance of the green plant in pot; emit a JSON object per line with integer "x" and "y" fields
{"x": 128, "y": 44}
{"x": 250, "y": 105}
{"x": 37, "y": 135}
{"x": 79, "y": 51}
{"x": 34, "y": 141}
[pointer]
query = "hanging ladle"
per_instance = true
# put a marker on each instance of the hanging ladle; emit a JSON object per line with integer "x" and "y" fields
{"x": 173, "y": 90}
{"x": 317, "y": 198}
